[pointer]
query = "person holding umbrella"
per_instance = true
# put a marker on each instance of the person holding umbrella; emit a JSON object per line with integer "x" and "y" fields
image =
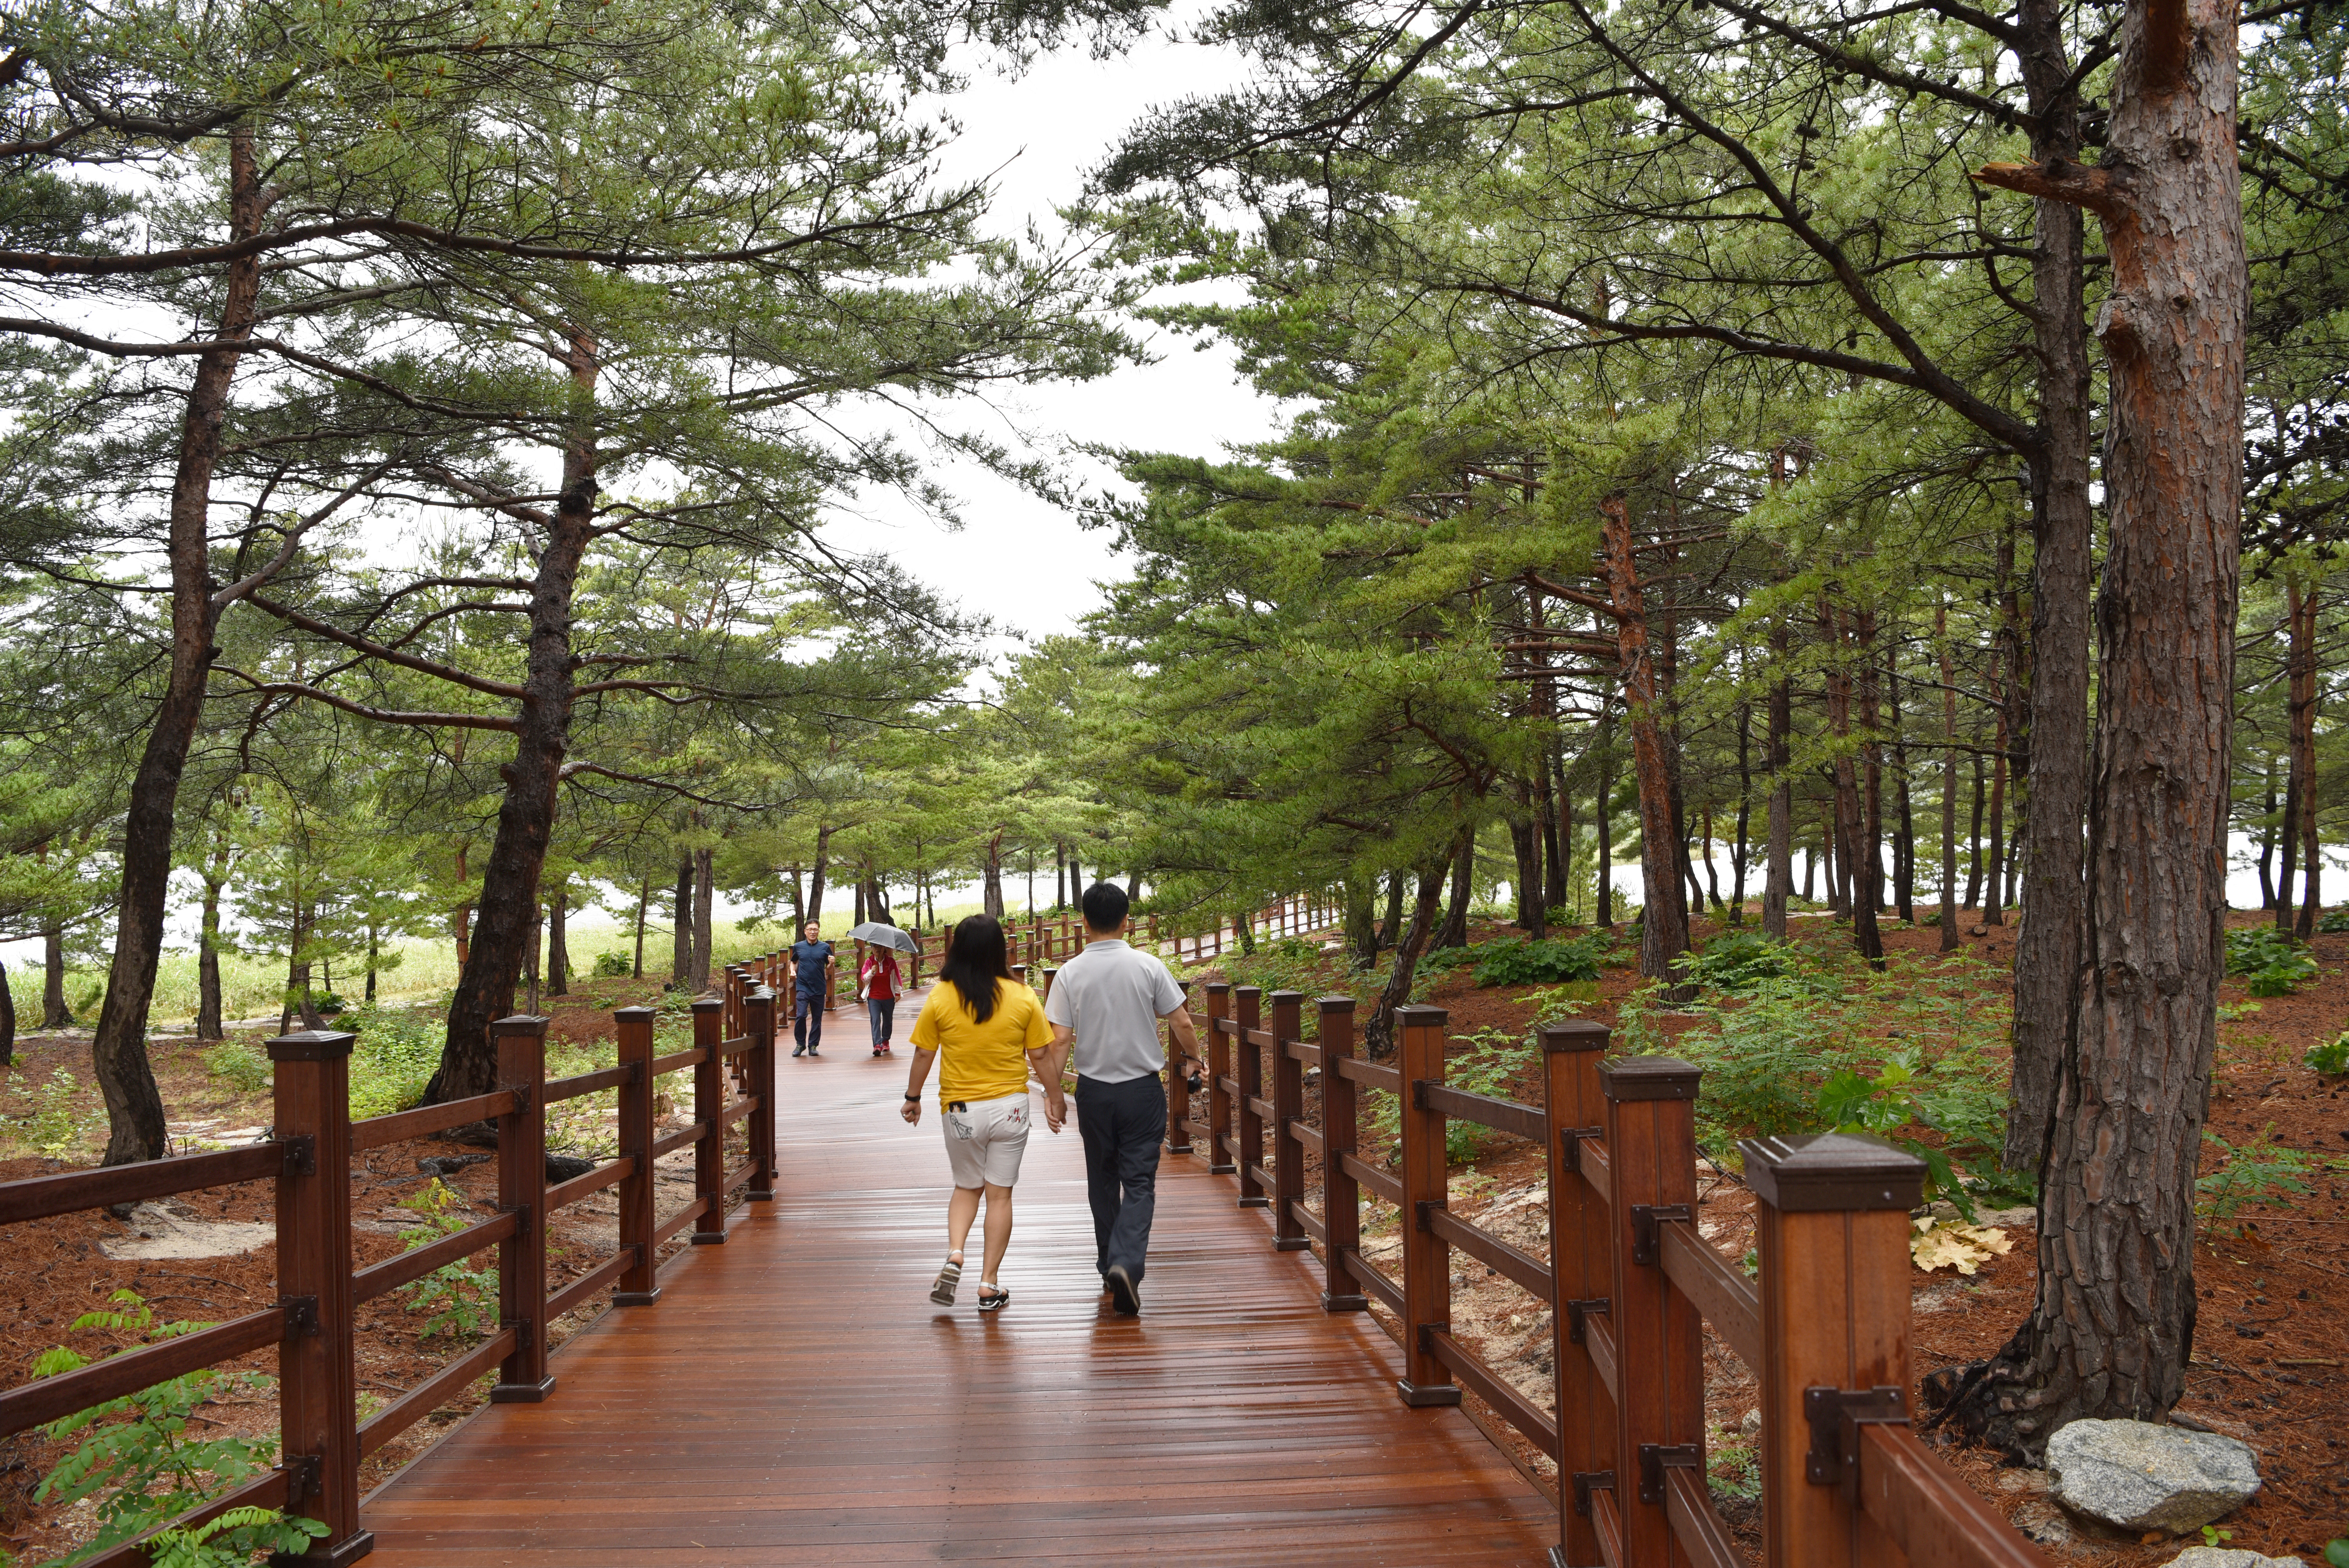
{"x": 877, "y": 981}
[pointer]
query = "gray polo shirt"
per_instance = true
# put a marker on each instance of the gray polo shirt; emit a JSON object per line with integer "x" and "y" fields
{"x": 1112, "y": 996}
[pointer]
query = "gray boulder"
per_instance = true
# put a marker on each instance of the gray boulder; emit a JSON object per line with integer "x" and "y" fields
{"x": 2229, "y": 1557}
{"x": 2142, "y": 1477}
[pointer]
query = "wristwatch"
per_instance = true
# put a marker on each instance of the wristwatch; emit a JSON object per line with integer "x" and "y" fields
{"x": 913, "y": 1099}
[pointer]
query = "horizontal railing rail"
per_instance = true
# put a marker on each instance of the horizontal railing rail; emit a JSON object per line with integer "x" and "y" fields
{"x": 309, "y": 1157}
{"x": 1630, "y": 1281}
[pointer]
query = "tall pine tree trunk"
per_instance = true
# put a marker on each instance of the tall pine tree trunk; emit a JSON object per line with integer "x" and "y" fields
{"x": 2114, "y": 1321}
{"x": 705, "y": 911}
{"x": 2055, "y": 740}
{"x": 1665, "y": 921}
{"x": 1949, "y": 783}
{"x": 558, "y": 949}
{"x": 2300, "y": 608}
{"x": 134, "y": 1107}
{"x": 508, "y": 919}
{"x": 1378, "y": 1033}
{"x": 208, "y": 1023}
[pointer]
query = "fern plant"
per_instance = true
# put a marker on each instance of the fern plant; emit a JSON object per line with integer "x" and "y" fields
{"x": 138, "y": 1461}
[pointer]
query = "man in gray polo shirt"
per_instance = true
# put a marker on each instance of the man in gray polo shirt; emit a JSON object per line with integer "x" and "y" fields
{"x": 1106, "y": 1002}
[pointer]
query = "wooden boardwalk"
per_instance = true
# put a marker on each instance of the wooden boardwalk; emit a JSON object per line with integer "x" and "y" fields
{"x": 794, "y": 1397}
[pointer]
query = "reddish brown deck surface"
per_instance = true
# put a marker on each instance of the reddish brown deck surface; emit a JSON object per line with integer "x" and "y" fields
{"x": 793, "y": 1397}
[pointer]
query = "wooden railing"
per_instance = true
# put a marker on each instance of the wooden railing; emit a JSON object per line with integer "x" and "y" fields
{"x": 1629, "y": 1279}
{"x": 1042, "y": 941}
{"x": 311, "y": 1324}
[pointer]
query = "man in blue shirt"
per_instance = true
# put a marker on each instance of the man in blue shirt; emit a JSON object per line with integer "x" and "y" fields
{"x": 812, "y": 969}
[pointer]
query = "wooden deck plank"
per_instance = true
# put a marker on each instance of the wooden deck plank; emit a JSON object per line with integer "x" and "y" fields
{"x": 795, "y": 1398}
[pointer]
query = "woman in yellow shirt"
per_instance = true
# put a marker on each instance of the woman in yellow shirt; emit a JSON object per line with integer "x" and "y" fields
{"x": 983, "y": 1028}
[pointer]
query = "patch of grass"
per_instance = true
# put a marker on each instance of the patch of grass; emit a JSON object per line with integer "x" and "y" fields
{"x": 239, "y": 1066}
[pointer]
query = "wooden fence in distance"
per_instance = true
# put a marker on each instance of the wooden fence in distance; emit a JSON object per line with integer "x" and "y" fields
{"x": 1628, "y": 1280}
{"x": 311, "y": 1324}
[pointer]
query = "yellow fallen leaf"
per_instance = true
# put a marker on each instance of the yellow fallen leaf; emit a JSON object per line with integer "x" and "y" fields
{"x": 1949, "y": 1244}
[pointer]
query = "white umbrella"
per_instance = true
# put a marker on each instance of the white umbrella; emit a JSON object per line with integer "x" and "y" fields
{"x": 881, "y": 936}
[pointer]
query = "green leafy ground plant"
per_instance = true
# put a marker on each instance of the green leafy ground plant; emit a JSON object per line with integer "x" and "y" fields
{"x": 138, "y": 1463}
{"x": 2271, "y": 962}
{"x": 1515, "y": 961}
{"x": 2260, "y": 1173}
{"x": 1909, "y": 1055}
{"x": 455, "y": 1299}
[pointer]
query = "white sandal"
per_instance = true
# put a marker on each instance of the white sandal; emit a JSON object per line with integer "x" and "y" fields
{"x": 943, "y": 1292}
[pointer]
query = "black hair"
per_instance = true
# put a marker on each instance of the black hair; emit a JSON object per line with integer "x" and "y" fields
{"x": 977, "y": 965}
{"x": 1105, "y": 904}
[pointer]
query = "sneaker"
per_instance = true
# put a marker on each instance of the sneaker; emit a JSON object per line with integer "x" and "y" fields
{"x": 1124, "y": 1293}
{"x": 800, "y": 1052}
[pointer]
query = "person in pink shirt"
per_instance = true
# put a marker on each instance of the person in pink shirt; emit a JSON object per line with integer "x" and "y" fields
{"x": 878, "y": 983}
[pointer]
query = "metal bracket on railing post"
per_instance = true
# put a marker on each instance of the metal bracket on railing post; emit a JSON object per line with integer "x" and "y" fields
{"x": 301, "y": 1316}
{"x": 1570, "y": 1144}
{"x": 1657, "y": 1457}
{"x": 1576, "y": 1311}
{"x": 1835, "y": 1415}
{"x": 301, "y": 1480}
{"x": 301, "y": 1155}
{"x": 522, "y": 1221}
{"x": 1420, "y": 1209}
{"x": 521, "y": 1326}
{"x": 1588, "y": 1481}
{"x": 1644, "y": 1219}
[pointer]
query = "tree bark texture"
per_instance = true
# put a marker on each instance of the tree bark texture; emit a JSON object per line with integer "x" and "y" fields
{"x": 2113, "y": 1325}
{"x": 681, "y": 936}
{"x": 1665, "y": 921}
{"x": 1454, "y": 931}
{"x": 558, "y": 949}
{"x": 54, "y": 1013}
{"x": 7, "y": 1021}
{"x": 134, "y": 1107}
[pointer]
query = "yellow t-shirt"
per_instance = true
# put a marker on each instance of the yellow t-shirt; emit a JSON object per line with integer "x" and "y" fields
{"x": 982, "y": 1061}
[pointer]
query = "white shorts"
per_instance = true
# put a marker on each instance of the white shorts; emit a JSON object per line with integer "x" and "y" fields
{"x": 986, "y": 1138}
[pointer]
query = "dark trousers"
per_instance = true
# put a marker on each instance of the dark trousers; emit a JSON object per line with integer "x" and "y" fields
{"x": 883, "y": 1012}
{"x": 807, "y": 1026}
{"x": 1121, "y": 1125}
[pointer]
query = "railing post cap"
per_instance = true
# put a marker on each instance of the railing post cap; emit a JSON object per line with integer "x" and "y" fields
{"x": 1277, "y": 997}
{"x": 708, "y": 1004}
{"x": 1335, "y": 1004}
{"x": 1247, "y": 991}
{"x": 1219, "y": 987}
{"x": 1648, "y": 1077}
{"x": 519, "y": 1023}
{"x": 1420, "y": 1015}
{"x": 312, "y": 1045}
{"x": 635, "y": 1014}
{"x": 1572, "y": 1034}
{"x": 761, "y": 992}
{"x": 1832, "y": 1170}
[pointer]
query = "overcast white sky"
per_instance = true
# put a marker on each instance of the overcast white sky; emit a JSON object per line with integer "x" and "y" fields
{"x": 1023, "y": 561}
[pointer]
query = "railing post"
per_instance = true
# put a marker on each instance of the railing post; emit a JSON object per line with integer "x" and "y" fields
{"x": 1250, "y": 1075}
{"x": 1178, "y": 1088}
{"x": 1426, "y": 1257}
{"x": 1342, "y": 1195}
{"x": 640, "y": 1286}
{"x": 1579, "y": 1259}
{"x": 522, "y": 1191}
{"x": 1288, "y": 1110}
{"x": 1222, "y": 1140}
{"x": 708, "y": 1105}
{"x": 1649, "y": 1115}
{"x": 1831, "y": 1220}
{"x": 761, "y": 1069}
{"x": 317, "y": 1392}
